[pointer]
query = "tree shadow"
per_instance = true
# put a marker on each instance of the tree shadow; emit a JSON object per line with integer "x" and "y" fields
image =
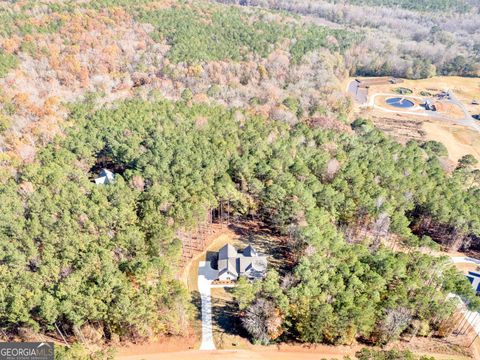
{"x": 196, "y": 301}
{"x": 225, "y": 316}
{"x": 264, "y": 241}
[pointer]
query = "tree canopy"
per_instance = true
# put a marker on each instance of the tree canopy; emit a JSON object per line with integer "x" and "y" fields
{"x": 76, "y": 253}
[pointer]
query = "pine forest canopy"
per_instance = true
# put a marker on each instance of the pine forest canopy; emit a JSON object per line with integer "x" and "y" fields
{"x": 77, "y": 253}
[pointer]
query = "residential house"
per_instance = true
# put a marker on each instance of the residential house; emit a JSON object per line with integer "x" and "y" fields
{"x": 474, "y": 278}
{"x": 249, "y": 263}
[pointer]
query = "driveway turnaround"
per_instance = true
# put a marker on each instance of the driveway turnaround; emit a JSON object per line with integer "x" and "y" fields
{"x": 471, "y": 316}
{"x": 205, "y": 277}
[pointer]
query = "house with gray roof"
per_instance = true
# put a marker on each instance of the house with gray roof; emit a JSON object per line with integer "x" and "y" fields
{"x": 105, "y": 177}
{"x": 233, "y": 263}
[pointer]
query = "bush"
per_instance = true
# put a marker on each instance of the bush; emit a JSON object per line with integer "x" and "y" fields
{"x": 368, "y": 354}
{"x": 467, "y": 160}
{"x": 362, "y": 124}
{"x": 435, "y": 147}
{"x": 403, "y": 91}
{"x": 5, "y": 123}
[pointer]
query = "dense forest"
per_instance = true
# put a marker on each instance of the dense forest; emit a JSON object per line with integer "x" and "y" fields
{"x": 75, "y": 254}
{"x": 194, "y": 103}
{"x": 460, "y": 6}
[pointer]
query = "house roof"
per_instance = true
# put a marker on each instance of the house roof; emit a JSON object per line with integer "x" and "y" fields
{"x": 228, "y": 265}
{"x": 248, "y": 262}
{"x": 259, "y": 263}
{"x": 105, "y": 177}
{"x": 244, "y": 263}
{"x": 107, "y": 173}
{"x": 249, "y": 251}
{"x": 228, "y": 251}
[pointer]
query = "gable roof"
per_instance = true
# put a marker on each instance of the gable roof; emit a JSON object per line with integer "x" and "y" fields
{"x": 107, "y": 173}
{"x": 228, "y": 251}
{"x": 228, "y": 265}
{"x": 105, "y": 177}
{"x": 248, "y": 262}
{"x": 249, "y": 251}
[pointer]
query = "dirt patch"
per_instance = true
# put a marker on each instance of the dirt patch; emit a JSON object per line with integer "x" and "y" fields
{"x": 448, "y": 109}
{"x": 168, "y": 344}
{"x": 466, "y": 267}
{"x": 284, "y": 352}
{"x": 400, "y": 127}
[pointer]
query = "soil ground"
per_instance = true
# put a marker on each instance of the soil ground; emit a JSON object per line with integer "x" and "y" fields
{"x": 465, "y": 89}
{"x": 281, "y": 352}
{"x": 459, "y": 140}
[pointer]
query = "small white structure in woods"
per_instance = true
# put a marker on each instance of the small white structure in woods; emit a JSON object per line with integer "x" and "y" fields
{"x": 249, "y": 263}
{"x": 105, "y": 177}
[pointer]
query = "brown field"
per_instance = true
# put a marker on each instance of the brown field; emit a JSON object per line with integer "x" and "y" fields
{"x": 443, "y": 107}
{"x": 466, "y": 89}
{"x": 459, "y": 140}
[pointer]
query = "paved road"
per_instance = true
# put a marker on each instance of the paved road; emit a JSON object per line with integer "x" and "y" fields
{"x": 205, "y": 277}
{"x": 464, "y": 259}
{"x": 468, "y": 119}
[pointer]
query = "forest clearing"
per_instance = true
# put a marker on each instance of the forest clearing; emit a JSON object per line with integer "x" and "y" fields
{"x": 233, "y": 342}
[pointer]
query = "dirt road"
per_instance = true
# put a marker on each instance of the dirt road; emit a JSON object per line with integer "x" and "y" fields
{"x": 264, "y": 353}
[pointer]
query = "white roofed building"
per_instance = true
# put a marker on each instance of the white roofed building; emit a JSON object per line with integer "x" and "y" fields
{"x": 105, "y": 177}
